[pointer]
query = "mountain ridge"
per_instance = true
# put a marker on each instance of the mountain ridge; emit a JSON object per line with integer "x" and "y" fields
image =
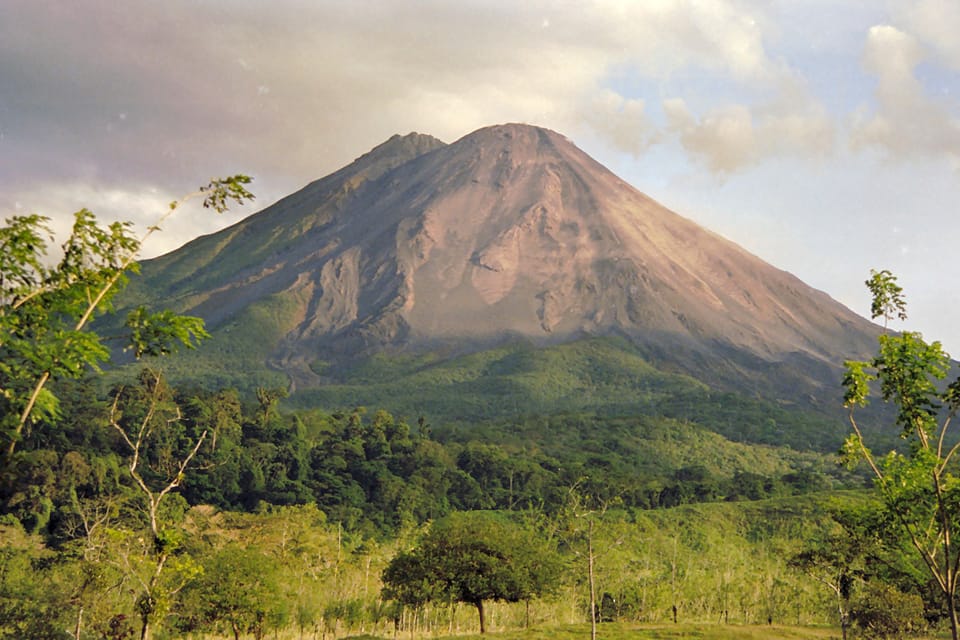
{"x": 509, "y": 232}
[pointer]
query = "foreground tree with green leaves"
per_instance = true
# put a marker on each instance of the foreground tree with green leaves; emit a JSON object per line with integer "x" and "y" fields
{"x": 46, "y": 310}
{"x": 47, "y": 306}
{"x": 473, "y": 557}
{"x": 919, "y": 487}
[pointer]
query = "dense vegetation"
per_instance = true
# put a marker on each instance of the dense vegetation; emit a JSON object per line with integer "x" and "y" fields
{"x": 375, "y": 472}
{"x": 596, "y": 376}
{"x": 597, "y": 489}
{"x": 287, "y": 519}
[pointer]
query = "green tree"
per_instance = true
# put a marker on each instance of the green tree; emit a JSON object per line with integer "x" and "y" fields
{"x": 240, "y": 589}
{"x": 881, "y": 611}
{"x": 836, "y": 560}
{"x": 32, "y": 600}
{"x": 918, "y": 487}
{"x": 46, "y": 311}
{"x": 146, "y": 418}
{"x": 472, "y": 557}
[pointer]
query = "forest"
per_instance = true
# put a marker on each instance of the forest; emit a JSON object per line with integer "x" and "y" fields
{"x": 287, "y": 520}
{"x": 136, "y": 506}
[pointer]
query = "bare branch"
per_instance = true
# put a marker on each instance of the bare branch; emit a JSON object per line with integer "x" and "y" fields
{"x": 863, "y": 448}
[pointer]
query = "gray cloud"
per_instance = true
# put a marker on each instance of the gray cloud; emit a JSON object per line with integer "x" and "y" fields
{"x": 310, "y": 85}
{"x": 119, "y": 104}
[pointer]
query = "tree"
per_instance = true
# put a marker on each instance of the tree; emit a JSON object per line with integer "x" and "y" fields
{"x": 46, "y": 311}
{"x": 919, "y": 488}
{"x": 472, "y": 557}
{"x": 836, "y": 560}
{"x": 587, "y": 508}
{"x": 141, "y": 416}
{"x": 881, "y": 611}
{"x": 240, "y": 588}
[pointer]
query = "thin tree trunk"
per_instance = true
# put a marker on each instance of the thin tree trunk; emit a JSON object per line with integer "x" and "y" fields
{"x": 841, "y": 612}
{"x": 76, "y": 632}
{"x": 952, "y": 608}
{"x": 593, "y": 589}
{"x": 949, "y": 579}
{"x": 483, "y": 622}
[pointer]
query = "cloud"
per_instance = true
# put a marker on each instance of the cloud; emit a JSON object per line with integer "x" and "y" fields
{"x": 140, "y": 93}
{"x": 621, "y": 121}
{"x": 725, "y": 138}
{"x": 730, "y": 138}
{"x": 143, "y": 206}
{"x": 303, "y": 84}
{"x": 690, "y": 48}
{"x": 936, "y": 23}
{"x": 661, "y": 37}
{"x": 906, "y": 120}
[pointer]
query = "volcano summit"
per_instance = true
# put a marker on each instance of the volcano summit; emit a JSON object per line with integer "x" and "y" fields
{"x": 510, "y": 233}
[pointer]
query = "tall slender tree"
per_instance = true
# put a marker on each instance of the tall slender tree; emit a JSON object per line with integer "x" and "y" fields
{"x": 919, "y": 486}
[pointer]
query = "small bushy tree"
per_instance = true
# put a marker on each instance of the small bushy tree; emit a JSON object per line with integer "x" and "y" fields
{"x": 47, "y": 306}
{"x": 881, "y": 611}
{"x": 836, "y": 560}
{"x": 472, "y": 557}
{"x": 240, "y": 590}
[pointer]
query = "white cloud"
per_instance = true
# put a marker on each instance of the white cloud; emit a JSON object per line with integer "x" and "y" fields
{"x": 724, "y": 139}
{"x": 936, "y": 23}
{"x": 142, "y": 206}
{"x": 661, "y": 37}
{"x": 906, "y": 120}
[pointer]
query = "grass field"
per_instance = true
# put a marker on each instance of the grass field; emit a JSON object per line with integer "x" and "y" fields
{"x": 668, "y": 631}
{"x": 617, "y": 631}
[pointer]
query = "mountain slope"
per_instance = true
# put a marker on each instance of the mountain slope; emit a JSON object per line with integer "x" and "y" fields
{"x": 511, "y": 232}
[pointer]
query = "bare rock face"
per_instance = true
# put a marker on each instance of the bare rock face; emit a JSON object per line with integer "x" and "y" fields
{"x": 512, "y": 231}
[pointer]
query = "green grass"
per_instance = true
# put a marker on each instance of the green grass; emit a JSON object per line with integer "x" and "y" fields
{"x": 627, "y": 631}
{"x": 624, "y": 631}
{"x": 617, "y": 631}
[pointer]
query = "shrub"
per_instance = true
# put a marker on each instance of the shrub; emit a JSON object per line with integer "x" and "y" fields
{"x": 882, "y": 611}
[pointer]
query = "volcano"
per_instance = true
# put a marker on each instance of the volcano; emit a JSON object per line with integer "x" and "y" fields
{"x": 510, "y": 233}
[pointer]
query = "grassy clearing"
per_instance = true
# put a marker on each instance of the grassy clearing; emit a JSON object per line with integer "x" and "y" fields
{"x": 612, "y": 631}
{"x": 625, "y": 631}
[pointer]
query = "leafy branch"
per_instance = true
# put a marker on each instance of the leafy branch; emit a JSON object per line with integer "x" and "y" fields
{"x": 919, "y": 489}
{"x": 45, "y": 311}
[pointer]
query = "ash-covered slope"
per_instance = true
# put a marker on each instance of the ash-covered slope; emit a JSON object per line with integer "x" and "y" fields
{"x": 512, "y": 231}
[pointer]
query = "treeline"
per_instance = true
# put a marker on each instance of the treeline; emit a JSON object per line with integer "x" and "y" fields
{"x": 164, "y": 511}
{"x": 291, "y": 570}
{"x": 377, "y": 473}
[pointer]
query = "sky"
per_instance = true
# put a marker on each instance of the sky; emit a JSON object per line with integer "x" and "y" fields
{"x": 821, "y": 135}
